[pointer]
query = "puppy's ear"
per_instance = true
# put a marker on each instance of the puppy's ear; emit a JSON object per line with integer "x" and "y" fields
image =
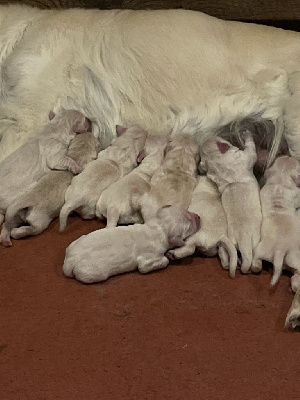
{"x": 51, "y": 115}
{"x": 176, "y": 241}
{"x": 120, "y": 130}
{"x": 141, "y": 156}
{"x": 223, "y": 147}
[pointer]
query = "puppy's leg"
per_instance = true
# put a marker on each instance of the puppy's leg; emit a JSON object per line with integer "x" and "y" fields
{"x": 34, "y": 229}
{"x": 224, "y": 257}
{"x": 148, "y": 262}
{"x": 292, "y": 321}
{"x": 181, "y": 252}
{"x": 226, "y": 246}
{"x": 258, "y": 257}
{"x": 5, "y": 236}
{"x": 67, "y": 163}
{"x": 250, "y": 149}
{"x": 295, "y": 281}
{"x": 112, "y": 217}
{"x": 245, "y": 247}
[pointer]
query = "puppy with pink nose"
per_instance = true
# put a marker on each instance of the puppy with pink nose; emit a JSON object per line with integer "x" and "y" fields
{"x": 101, "y": 254}
{"x": 232, "y": 171}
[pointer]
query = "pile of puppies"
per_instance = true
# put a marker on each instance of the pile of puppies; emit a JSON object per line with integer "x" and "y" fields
{"x": 156, "y": 183}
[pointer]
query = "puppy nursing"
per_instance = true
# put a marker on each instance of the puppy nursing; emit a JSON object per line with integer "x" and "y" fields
{"x": 120, "y": 203}
{"x": 43, "y": 200}
{"x": 280, "y": 231}
{"x": 107, "y": 252}
{"x": 232, "y": 171}
{"x": 212, "y": 238}
{"x": 42, "y": 153}
{"x": 173, "y": 183}
{"x": 111, "y": 165}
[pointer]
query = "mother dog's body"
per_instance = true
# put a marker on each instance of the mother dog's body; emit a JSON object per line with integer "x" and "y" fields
{"x": 155, "y": 68}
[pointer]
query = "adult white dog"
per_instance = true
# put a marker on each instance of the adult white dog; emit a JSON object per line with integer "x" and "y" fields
{"x": 166, "y": 70}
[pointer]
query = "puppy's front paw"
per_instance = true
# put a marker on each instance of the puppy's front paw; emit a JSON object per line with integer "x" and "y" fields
{"x": 170, "y": 254}
{"x": 292, "y": 322}
{"x": 5, "y": 241}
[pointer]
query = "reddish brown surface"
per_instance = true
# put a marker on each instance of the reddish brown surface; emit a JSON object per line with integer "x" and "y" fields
{"x": 185, "y": 333}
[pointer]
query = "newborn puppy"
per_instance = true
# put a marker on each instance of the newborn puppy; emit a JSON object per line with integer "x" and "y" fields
{"x": 111, "y": 165}
{"x": 232, "y": 171}
{"x": 120, "y": 202}
{"x": 211, "y": 239}
{"x": 173, "y": 183}
{"x": 107, "y": 252}
{"x": 280, "y": 231}
{"x": 42, "y": 202}
{"x": 40, "y": 154}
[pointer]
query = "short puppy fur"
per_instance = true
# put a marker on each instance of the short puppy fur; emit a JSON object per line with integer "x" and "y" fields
{"x": 120, "y": 202}
{"x": 44, "y": 199}
{"x": 111, "y": 165}
{"x": 107, "y": 252}
{"x": 232, "y": 171}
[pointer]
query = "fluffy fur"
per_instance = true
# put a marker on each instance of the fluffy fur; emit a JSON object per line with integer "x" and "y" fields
{"x": 174, "y": 181}
{"x": 112, "y": 164}
{"x": 120, "y": 203}
{"x": 280, "y": 231}
{"x": 43, "y": 152}
{"x": 232, "y": 170}
{"x": 169, "y": 69}
{"x": 43, "y": 200}
{"x": 107, "y": 252}
{"x": 211, "y": 239}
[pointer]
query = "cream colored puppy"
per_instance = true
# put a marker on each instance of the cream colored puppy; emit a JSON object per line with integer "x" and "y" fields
{"x": 211, "y": 239}
{"x": 112, "y": 164}
{"x": 173, "y": 183}
{"x": 280, "y": 231}
{"x": 120, "y": 202}
{"x": 107, "y": 252}
{"x": 232, "y": 170}
{"x": 42, "y": 202}
{"x": 42, "y": 153}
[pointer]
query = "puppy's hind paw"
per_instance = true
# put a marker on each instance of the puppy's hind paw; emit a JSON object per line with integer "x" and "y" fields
{"x": 292, "y": 322}
{"x": 170, "y": 254}
{"x": 6, "y": 242}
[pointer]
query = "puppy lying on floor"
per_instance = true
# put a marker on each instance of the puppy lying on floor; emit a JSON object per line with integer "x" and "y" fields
{"x": 43, "y": 200}
{"x": 107, "y": 252}
{"x": 232, "y": 170}
{"x": 212, "y": 238}
{"x": 173, "y": 183}
{"x": 112, "y": 164}
{"x": 42, "y": 153}
{"x": 120, "y": 202}
{"x": 280, "y": 231}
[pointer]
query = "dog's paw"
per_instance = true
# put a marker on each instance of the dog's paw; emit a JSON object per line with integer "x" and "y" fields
{"x": 292, "y": 322}
{"x": 5, "y": 241}
{"x": 170, "y": 254}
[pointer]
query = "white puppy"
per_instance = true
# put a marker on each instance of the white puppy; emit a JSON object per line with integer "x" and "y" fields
{"x": 280, "y": 231}
{"x": 232, "y": 170}
{"x": 42, "y": 202}
{"x": 42, "y": 153}
{"x": 120, "y": 202}
{"x": 211, "y": 239}
{"x": 173, "y": 183}
{"x": 112, "y": 164}
{"x": 107, "y": 252}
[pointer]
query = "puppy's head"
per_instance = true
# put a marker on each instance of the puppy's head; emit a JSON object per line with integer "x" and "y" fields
{"x": 133, "y": 136}
{"x": 285, "y": 170}
{"x": 73, "y": 119}
{"x": 178, "y": 223}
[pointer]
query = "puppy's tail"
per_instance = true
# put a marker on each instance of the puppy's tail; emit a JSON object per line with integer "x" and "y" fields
{"x": 63, "y": 216}
{"x": 231, "y": 250}
{"x": 278, "y": 264}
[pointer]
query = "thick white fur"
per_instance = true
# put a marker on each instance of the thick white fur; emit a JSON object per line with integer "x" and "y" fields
{"x": 174, "y": 181}
{"x": 107, "y": 252}
{"x": 280, "y": 231}
{"x": 211, "y": 239}
{"x": 232, "y": 171}
{"x": 120, "y": 202}
{"x": 45, "y": 151}
{"x": 112, "y": 164}
{"x": 170, "y": 69}
{"x": 42, "y": 202}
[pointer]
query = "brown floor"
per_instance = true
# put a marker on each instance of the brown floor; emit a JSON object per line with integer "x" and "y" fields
{"x": 185, "y": 333}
